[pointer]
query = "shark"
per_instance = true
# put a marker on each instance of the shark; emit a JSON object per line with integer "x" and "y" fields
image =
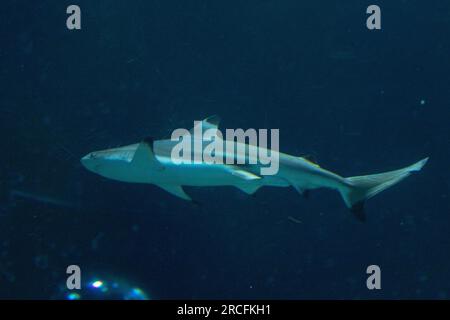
{"x": 150, "y": 161}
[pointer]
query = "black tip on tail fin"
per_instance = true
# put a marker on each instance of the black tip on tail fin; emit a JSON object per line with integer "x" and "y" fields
{"x": 358, "y": 211}
{"x": 197, "y": 203}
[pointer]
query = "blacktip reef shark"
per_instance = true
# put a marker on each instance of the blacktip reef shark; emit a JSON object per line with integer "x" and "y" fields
{"x": 149, "y": 161}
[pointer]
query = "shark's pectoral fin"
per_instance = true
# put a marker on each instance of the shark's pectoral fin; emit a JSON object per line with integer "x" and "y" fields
{"x": 144, "y": 155}
{"x": 245, "y": 175}
{"x": 176, "y": 191}
{"x": 249, "y": 188}
{"x": 249, "y": 182}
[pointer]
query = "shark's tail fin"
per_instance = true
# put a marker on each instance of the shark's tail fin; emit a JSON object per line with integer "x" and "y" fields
{"x": 362, "y": 188}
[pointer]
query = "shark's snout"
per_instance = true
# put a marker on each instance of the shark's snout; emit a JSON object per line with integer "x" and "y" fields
{"x": 109, "y": 163}
{"x": 85, "y": 159}
{"x": 88, "y": 161}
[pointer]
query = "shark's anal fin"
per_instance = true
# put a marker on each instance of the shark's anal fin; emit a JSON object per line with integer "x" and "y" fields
{"x": 303, "y": 192}
{"x": 249, "y": 188}
{"x": 144, "y": 155}
{"x": 176, "y": 191}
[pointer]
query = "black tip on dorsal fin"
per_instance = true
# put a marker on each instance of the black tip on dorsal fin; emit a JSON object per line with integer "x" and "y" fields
{"x": 149, "y": 141}
{"x": 311, "y": 158}
{"x": 358, "y": 211}
{"x": 144, "y": 154}
{"x": 214, "y": 120}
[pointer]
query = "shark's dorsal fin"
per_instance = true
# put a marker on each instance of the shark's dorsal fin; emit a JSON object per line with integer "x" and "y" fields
{"x": 145, "y": 156}
{"x": 311, "y": 159}
{"x": 176, "y": 191}
{"x": 211, "y": 122}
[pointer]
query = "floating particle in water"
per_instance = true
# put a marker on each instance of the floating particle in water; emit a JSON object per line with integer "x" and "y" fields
{"x": 73, "y": 296}
{"x": 330, "y": 263}
{"x": 46, "y": 120}
{"x": 95, "y": 242}
{"x": 423, "y": 278}
{"x": 8, "y": 276}
{"x": 16, "y": 178}
{"x": 97, "y": 284}
{"x": 442, "y": 295}
{"x": 270, "y": 281}
{"x": 41, "y": 261}
{"x": 4, "y": 210}
{"x": 422, "y": 102}
{"x": 135, "y": 294}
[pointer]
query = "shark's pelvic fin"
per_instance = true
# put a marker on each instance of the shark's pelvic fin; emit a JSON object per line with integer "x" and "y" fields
{"x": 144, "y": 155}
{"x": 176, "y": 191}
{"x": 249, "y": 188}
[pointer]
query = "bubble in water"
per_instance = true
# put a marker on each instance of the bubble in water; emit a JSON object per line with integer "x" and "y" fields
{"x": 104, "y": 288}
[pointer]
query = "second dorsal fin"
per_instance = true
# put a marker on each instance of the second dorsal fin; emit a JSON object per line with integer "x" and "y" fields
{"x": 211, "y": 122}
{"x": 310, "y": 158}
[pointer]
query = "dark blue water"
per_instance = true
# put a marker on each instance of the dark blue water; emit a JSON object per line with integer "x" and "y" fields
{"x": 359, "y": 101}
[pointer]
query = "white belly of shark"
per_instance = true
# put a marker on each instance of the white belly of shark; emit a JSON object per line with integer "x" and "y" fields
{"x": 149, "y": 162}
